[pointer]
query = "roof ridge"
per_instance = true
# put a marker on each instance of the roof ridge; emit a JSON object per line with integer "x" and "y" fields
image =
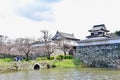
{"x": 99, "y": 25}
{"x": 66, "y": 33}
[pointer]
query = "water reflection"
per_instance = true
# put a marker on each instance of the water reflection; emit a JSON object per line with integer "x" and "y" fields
{"x": 63, "y": 74}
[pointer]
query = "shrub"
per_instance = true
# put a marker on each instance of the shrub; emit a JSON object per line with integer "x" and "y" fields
{"x": 69, "y": 57}
{"x": 41, "y": 58}
{"x": 7, "y": 60}
{"x": 60, "y": 57}
{"x": 52, "y": 57}
{"x": 38, "y": 59}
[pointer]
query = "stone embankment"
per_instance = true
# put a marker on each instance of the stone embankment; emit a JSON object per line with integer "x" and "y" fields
{"x": 99, "y": 53}
{"x": 21, "y": 66}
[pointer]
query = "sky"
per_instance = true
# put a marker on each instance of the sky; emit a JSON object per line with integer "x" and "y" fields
{"x": 26, "y": 18}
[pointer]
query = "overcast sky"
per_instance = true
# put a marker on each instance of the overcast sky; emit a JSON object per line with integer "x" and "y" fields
{"x": 26, "y": 18}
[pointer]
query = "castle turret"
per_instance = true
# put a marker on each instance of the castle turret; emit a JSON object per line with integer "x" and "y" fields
{"x": 98, "y": 31}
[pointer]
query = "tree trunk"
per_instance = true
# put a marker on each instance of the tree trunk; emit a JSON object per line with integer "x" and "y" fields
{"x": 49, "y": 56}
{"x": 27, "y": 56}
{"x": 64, "y": 54}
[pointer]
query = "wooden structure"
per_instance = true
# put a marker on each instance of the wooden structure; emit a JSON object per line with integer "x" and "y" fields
{"x": 66, "y": 37}
{"x": 98, "y": 31}
{"x": 60, "y": 36}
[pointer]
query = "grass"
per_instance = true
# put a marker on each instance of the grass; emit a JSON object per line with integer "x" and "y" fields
{"x": 64, "y": 63}
{"x": 60, "y": 61}
{"x": 9, "y": 65}
{"x": 69, "y": 63}
{"x": 6, "y": 60}
{"x": 57, "y": 63}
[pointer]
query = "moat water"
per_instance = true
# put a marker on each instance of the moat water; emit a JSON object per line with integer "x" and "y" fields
{"x": 63, "y": 74}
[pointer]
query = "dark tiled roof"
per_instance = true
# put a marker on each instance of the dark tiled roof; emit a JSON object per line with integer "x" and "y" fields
{"x": 107, "y": 36}
{"x": 99, "y": 27}
{"x": 65, "y": 35}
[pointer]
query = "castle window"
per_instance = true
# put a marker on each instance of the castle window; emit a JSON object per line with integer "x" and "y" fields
{"x": 92, "y": 34}
{"x": 96, "y": 33}
{"x": 99, "y": 32}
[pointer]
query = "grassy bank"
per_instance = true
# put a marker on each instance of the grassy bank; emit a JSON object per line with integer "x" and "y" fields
{"x": 57, "y": 63}
{"x": 62, "y": 61}
{"x": 69, "y": 63}
{"x": 8, "y": 65}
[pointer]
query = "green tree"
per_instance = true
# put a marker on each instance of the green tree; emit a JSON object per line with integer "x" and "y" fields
{"x": 117, "y": 33}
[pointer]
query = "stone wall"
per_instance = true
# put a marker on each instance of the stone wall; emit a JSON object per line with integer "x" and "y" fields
{"x": 106, "y": 54}
{"x": 21, "y": 66}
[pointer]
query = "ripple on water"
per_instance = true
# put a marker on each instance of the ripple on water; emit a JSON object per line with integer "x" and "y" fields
{"x": 63, "y": 74}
